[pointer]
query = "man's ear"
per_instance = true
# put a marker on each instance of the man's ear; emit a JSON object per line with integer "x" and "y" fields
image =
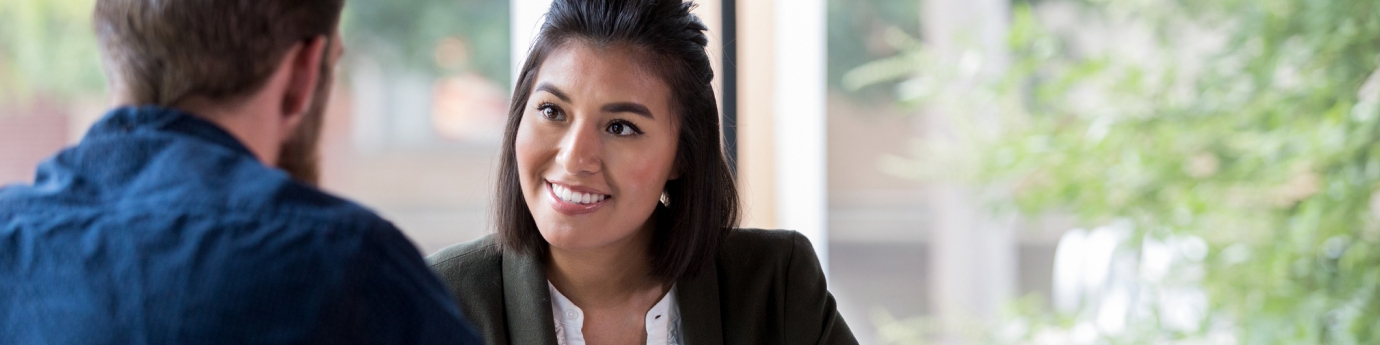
{"x": 304, "y": 72}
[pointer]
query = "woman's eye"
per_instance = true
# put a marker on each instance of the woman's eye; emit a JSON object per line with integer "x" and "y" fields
{"x": 550, "y": 112}
{"x": 621, "y": 128}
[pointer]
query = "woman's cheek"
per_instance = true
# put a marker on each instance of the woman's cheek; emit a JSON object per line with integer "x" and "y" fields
{"x": 646, "y": 176}
{"x": 529, "y": 152}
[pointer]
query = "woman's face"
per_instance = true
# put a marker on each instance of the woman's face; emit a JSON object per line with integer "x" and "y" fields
{"x": 595, "y": 146}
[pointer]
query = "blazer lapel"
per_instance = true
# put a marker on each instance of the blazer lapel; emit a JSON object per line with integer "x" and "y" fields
{"x": 698, "y": 299}
{"x": 527, "y": 300}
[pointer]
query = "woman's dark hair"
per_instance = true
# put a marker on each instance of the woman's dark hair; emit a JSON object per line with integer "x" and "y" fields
{"x": 669, "y": 41}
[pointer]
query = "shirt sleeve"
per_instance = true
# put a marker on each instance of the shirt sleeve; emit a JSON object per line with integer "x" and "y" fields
{"x": 810, "y": 308}
{"x": 389, "y": 296}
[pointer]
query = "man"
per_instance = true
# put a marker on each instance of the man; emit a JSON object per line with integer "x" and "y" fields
{"x": 188, "y": 214}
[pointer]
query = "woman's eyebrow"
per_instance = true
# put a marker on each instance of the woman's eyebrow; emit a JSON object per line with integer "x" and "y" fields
{"x": 553, "y": 90}
{"x": 628, "y": 107}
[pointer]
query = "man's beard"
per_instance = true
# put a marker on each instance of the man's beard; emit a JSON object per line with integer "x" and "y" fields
{"x": 300, "y": 156}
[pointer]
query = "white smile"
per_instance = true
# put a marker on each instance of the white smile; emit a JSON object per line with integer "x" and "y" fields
{"x": 567, "y": 195}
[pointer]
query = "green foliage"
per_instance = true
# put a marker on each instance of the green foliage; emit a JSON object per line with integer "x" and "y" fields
{"x": 48, "y": 47}
{"x": 1251, "y": 124}
{"x": 406, "y": 32}
{"x": 857, "y": 35}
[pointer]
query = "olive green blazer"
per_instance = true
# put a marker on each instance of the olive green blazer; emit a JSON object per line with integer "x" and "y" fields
{"x": 765, "y": 287}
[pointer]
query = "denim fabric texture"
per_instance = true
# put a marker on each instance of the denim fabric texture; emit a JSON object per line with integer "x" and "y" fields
{"x": 161, "y": 228}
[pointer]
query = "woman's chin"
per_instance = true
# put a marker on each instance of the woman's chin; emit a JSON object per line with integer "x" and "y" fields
{"x": 572, "y": 239}
{"x": 565, "y": 238}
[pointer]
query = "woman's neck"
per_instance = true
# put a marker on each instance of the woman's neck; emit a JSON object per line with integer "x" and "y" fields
{"x": 605, "y": 276}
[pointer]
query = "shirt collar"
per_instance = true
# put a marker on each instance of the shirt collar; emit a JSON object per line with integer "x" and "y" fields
{"x": 662, "y": 322}
{"x": 132, "y": 119}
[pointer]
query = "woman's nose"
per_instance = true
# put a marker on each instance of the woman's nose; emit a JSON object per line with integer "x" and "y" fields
{"x": 580, "y": 152}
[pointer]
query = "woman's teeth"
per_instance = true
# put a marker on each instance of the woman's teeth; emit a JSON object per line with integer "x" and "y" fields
{"x": 575, "y": 197}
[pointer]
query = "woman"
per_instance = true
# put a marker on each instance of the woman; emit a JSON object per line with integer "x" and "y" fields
{"x": 616, "y": 208}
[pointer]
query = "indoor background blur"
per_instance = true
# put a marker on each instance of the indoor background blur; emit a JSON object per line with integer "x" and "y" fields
{"x": 971, "y": 171}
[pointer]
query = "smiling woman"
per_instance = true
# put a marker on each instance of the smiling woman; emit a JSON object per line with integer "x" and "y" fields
{"x": 601, "y": 139}
{"x": 616, "y": 208}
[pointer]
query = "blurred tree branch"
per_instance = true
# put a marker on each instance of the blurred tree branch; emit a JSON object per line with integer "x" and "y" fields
{"x": 48, "y": 47}
{"x": 1250, "y": 124}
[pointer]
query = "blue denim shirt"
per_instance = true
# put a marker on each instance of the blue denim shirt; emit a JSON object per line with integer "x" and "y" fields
{"x": 161, "y": 228}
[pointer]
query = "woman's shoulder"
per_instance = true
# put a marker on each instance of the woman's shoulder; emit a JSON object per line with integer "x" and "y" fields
{"x": 763, "y": 237}
{"x": 473, "y": 272}
{"x": 772, "y": 278}
{"x": 466, "y": 259}
{"x": 758, "y": 249}
{"x": 775, "y": 242}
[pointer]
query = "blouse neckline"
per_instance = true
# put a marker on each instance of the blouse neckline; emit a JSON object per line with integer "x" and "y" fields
{"x": 662, "y": 322}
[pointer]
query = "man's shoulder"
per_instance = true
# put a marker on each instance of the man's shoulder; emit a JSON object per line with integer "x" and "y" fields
{"x": 292, "y": 211}
{"x": 299, "y": 200}
{"x": 277, "y": 265}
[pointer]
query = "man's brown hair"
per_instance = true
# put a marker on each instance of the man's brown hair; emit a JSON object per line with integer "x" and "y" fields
{"x": 162, "y": 51}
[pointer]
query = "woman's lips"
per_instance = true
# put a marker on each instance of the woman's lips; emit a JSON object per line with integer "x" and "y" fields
{"x": 572, "y": 208}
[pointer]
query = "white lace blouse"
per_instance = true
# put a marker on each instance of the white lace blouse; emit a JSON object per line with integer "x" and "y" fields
{"x": 662, "y": 322}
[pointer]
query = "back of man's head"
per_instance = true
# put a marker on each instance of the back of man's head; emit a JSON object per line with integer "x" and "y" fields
{"x": 158, "y": 52}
